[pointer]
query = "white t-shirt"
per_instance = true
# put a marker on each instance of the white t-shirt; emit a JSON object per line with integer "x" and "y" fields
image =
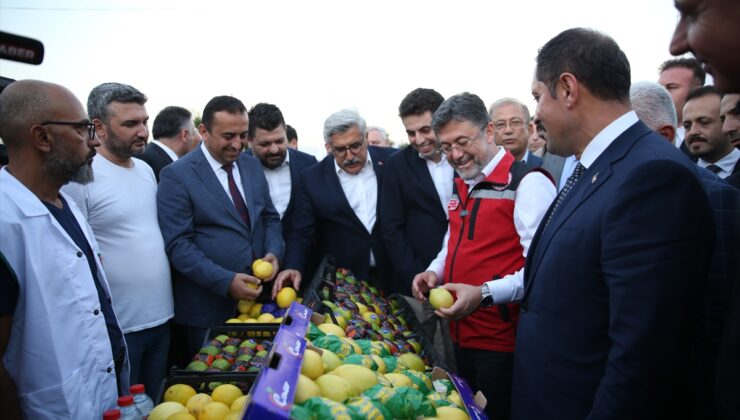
{"x": 121, "y": 207}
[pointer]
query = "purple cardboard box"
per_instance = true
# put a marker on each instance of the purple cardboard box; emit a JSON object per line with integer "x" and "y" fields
{"x": 474, "y": 404}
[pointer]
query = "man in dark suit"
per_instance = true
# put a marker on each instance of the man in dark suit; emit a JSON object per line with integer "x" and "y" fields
{"x": 679, "y": 76}
{"x": 512, "y": 128}
{"x": 605, "y": 327}
{"x": 174, "y": 135}
{"x": 337, "y": 206}
{"x": 268, "y": 142}
{"x": 417, "y": 187}
{"x": 216, "y": 217}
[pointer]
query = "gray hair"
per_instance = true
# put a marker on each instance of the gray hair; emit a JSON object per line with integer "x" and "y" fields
{"x": 461, "y": 107}
{"x": 653, "y": 105}
{"x": 510, "y": 101}
{"x": 102, "y": 95}
{"x": 341, "y": 122}
{"x": 380, "y": 130}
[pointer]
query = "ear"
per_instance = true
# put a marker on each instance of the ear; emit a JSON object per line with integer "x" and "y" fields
{"x": 668, "y": 132}
{"x": 489, "y": 132}
{"x": 100, "y": 128}
{"x": 570, "y": 88}
{"x": 328, "y": 148}
{"x": 531, "y": 128}
{"x": 41, "y": 139}
{"x": 202, "y": 130}
{"x": 184, "y": 135}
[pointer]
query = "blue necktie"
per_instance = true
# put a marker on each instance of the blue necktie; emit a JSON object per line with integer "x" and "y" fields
{"x": 577, "y": 172}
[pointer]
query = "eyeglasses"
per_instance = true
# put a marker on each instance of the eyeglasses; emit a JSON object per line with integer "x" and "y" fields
{"x": 354, "y": 148}
{"x": 514, "y": 123}
{"x": 460, "y": 144}
{"x": 78, "y": 125}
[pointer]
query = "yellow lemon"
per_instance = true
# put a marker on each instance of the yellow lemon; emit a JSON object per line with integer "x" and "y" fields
{"x": 180, "y": 393}
{"x": 440, "y": 298}
{"x": 214, "y": 411}
{"x": 226, "y": 394}
{"x": 451, "y": 413}
{"x": 305, "y": 389}
{"x": 261, "y": 269}
{"x": 245, "y": 305}
{"x": 256, "y": 310}
{"x": 285, "y": 297}
{"x": 166, "y": 409}
{"x": 266, "y": 317}
{"x": 197, "y": 402}
{"x": 243, "y": 317}
{"x": 239, "y": 403}
{"x": 234, "y": 321}
{"x": 233, "y": 415}
{"x": 332, "y": 329}
{"x": 313, "y": 365}
{"x": 183, "y": 415}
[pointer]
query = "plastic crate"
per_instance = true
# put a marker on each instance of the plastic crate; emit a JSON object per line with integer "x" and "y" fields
{"x": 427, "y": 346}
{"x": 200, "y": 381}
{"x": 325, "y": 274}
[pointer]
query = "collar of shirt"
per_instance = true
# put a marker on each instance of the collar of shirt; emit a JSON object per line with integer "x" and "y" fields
{"x": 487, "y": 169}
{"x": 171, "y": 153}
{"x": 221, "y": 174}
{"x": 526, "y": 155}
{"x": 727, "y": 163}
{"x": 678, "y": 138}
{"x": 602, "y": 140}
{"x": 368, "y": 163}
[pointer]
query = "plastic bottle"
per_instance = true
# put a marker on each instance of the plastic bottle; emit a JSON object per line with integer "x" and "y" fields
{"x": 128, "y": 409}
{"x": 113, "y": 414}
{"x": 141, "y": 399}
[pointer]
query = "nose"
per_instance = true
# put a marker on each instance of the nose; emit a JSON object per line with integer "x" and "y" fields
{"x": 143, "y": 132}
{"x": 679, "y": 42}
{"x": 93, "y": 142}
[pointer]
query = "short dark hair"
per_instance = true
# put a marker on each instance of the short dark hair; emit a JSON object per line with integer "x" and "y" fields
{"x": 265, "y": 116}
{"x": 689, "y": 63}
{"x": 170, "y": 121}
{"x": 221, "y": 103}
{"x": 593, "y": 58}
{"x": 291, "y": 133}
{"x": 102, "y": 95}
{"x": 419, "y": 101}
{"x": 462, "y": 107}
{"x": 700, "y": 91}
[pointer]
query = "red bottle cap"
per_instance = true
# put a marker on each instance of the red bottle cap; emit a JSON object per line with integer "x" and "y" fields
{"x": 137, "y": 389}
{"x": 114, "y": 414}
{"x": 125, "y": 400}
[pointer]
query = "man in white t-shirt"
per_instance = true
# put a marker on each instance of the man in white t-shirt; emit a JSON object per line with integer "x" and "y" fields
{"x": 120, "y": 205}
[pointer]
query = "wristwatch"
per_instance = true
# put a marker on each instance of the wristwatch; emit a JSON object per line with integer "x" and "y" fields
{"x": 487, "y": 300}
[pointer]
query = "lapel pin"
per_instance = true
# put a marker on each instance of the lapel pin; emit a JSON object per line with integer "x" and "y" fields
{"x": 595, "y": 178}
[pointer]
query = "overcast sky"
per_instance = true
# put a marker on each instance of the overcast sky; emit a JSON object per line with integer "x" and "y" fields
{"x": 311, "y": 58}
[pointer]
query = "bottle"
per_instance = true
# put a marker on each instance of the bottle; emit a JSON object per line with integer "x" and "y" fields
{"x": 113, "y": 414}
{"x": 141, "y": 399}
{"x": 128, "y": 409}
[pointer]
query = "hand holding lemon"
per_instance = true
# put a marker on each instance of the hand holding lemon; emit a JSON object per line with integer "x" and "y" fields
{"x": 262, "y": 269}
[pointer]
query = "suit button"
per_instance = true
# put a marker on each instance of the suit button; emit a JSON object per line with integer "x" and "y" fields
{"x": 110, "y": 370}
{"x": 79, "y": 254}
{"x": 96, "y": 312}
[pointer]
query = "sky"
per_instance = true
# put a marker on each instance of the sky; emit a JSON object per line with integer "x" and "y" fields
{"x": 312, "y": 58}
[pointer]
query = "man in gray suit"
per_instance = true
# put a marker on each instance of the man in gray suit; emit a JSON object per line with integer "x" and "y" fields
{"x": 216, "y": 217}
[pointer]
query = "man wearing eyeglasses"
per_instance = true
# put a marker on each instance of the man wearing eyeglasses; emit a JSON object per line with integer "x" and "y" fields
{"x": 495, "y": 210}
{"x": 121, "y": 207}
{"x": 61, "y": 347}
{"x": 336, "y": 204}
{"x": 512, "y": 128}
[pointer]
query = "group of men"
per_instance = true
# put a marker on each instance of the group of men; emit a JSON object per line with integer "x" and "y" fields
{"x": 577, "y": 293}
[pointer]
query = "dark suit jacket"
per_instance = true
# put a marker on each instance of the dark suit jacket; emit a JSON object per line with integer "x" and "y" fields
{"x": 606, "y": 324}
{"x": 322, "y": 213}
{"x": 156, "y": 158}
{"x": 414, "y": 222}
{"x": 534, "y": 160}
{"x": 205, "y": 238}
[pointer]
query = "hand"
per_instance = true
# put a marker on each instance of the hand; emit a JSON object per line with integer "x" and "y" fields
{"x": 239, "y": 289}
{"x": 288, "y": 277}
{"x": 275, "y": 265}
{"x": 423, "y": 283}
{"x": 467, "y": 300}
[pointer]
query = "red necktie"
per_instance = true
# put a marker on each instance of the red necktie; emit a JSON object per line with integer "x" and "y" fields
{"x": 241, "y": 207}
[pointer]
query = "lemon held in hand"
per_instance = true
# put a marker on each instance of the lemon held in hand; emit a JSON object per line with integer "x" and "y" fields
{"x": 261, "y": 269}
{"x": 440, "y": 298}
{"x": 285, "y": 297}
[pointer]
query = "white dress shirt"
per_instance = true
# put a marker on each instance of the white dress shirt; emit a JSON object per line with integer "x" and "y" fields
{"x": 726, "y": 164}
{"x": 171, "y": 153}
{"x": 361, "y": 191}
{"x": 533, "y": 197}
{"x": 280, "y": 184}
{"x": 605, "y": 138}
{"x": 680, "y": 133}
{"x": 222, "y": 175}
{"x": 442, "y": 175}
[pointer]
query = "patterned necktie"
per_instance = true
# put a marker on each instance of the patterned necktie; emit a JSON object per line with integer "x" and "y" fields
{"x": 714, "y": 169}
{"x": 241, "y": 207}
{"x": 577, "y": 172}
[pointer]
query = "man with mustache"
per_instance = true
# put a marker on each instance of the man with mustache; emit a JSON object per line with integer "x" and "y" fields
{"x": 512, "y": 128}
{"x": 494, "y": 212}
{"x": 701, "y": 120}
{"x": 337, "y": 206}
{"x": 121, "y": 207}
{"x": 62, "y": 351}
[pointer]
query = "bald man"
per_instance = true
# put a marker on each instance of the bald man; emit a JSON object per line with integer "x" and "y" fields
{"x": 62, "y": 352}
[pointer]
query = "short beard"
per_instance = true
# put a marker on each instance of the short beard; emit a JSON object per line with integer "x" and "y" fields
{"x": 58, "y": 168}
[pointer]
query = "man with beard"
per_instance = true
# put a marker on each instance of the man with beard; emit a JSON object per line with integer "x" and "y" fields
{"x": 337, "y": 205}
{"x": 701, "y": 120}
{"x": 121, "y": 207}
{"x": 416, "y": 189}
{"x": 61, "y": 348}
{"x": 495, "y": 210}
{"x": 268, "y": 143}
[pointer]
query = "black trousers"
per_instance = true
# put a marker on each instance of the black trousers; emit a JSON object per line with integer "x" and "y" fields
{"x": 490, "y": 373}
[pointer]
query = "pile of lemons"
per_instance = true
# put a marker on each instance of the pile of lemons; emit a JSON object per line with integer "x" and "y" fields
{"x": 182, "y": 402}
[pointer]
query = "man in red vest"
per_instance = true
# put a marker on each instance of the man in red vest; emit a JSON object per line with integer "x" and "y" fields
{"x": 493, "y": 214}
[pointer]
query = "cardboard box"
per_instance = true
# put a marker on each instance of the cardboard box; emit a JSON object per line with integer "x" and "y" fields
{"x": 474, "y": 404}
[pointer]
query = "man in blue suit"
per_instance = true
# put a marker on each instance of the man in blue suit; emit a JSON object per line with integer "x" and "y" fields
{"x": 512, "y": 128}
{"x": 268, "y": 142}
{"x": 336, "y": 206}
{"x": 615, "y": 267}
{"x": 216, "y": 217}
